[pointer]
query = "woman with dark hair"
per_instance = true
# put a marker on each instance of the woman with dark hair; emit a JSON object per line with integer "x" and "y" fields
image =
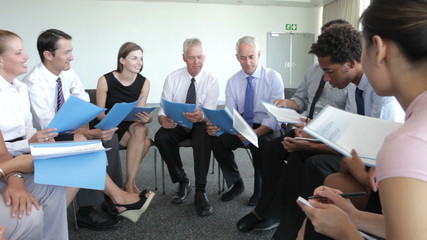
{"x": 126, "y": 84}
{"x": 395, "y": 59}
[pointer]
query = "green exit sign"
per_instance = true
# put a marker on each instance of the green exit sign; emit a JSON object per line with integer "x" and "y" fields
{"x": 291, "y": 27}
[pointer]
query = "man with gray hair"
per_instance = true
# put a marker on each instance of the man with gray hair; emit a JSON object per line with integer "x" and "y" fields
{"x": 244, "y": 92}
{"x": 194, "y": 85}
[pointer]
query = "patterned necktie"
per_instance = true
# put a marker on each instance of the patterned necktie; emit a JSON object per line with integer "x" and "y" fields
{"x": 191, "y": 93}
{"x": 248, "y": 113}
{"x": 359, "y": 102}
{"x": 60, "y": 96}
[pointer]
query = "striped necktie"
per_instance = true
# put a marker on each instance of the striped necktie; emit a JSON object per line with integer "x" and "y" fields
{"x": 60, "y": 95}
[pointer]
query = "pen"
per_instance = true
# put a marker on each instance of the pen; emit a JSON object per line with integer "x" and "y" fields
{"x": 344, "y": 195}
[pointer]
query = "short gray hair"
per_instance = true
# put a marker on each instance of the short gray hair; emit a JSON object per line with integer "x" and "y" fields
{"x": 247, "y": 40}
{"x": 191, "y": 42}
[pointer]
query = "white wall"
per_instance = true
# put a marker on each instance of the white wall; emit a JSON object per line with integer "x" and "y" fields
{"x": 99, "y": 28}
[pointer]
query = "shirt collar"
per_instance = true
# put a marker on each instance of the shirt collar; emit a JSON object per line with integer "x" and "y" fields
{"x": 49, "y": 75}
{"x": 256, "y": 74}
{"x": 5, "y": 84}
{"x": 364, "y": 83}
{"x": 196, "y": 78}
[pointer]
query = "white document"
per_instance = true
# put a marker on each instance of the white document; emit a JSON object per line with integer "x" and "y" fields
{"x": 345, "y": 131}
{"x": 284, "y": 115}
{"x": 243, "y": 128}
{"x": 64, "y": 148}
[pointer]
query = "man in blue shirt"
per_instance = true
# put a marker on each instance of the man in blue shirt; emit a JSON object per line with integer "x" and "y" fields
{"x": 244, "y": 92}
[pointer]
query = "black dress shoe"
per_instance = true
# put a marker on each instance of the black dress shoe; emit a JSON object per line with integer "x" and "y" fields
{"x": 267, "y": 224}
{"x": 248, "y": 222}
{"x": 203, "y": 207}
{"x": 183, "y": 190}
{"x": 109, "y": 208}
{"x": 96, "y": 221}
{"x": 237, "y": 189}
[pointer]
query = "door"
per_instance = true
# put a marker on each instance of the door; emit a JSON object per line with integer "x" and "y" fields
{"x": 287, "y": 53}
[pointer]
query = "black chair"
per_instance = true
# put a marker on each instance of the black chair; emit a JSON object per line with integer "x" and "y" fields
{"x": 289, "y": 92}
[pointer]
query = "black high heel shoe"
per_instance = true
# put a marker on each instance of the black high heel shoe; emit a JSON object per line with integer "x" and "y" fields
{"x": 134, "y": 210}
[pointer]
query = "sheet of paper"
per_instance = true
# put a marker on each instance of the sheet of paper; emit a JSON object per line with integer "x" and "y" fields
{"x": 116, "y": 115}
{"x": 132, "y": 115}
{"x": 220, "y": 118}
{"x": 243, "y": 128}
{"x": 65, "y": 148}
{"x": 284, "y": 115}
{"x": 345, "y": 131}
{"x": 74, "y": 114}
{"x": 176, "y": 112}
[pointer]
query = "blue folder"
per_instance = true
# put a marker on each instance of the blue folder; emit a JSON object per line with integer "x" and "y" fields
{"x": 116, "y": 115}
{"x": 87, "y": 170}
{"x": 74, "y": 114}
{"x": 176, "y": 112}
{"x": 221, "y": 119}
{"x": 131, "y": 116}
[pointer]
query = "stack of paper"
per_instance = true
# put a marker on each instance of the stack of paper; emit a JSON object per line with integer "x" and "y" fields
{"x": 72, "y": 164}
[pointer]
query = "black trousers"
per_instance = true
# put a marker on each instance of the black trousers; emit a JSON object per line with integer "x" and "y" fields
{"x": 305, "y": 172}
{"x": 272, "y": 167}
{"x": 167, "y": 142}
{"x": 223, "y": 147}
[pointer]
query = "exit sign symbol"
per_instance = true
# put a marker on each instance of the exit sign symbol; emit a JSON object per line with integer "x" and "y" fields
{"x": 291, "y": 27}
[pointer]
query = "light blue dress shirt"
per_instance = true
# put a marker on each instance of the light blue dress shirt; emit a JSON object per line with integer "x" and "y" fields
{"x": 268, "y": 86}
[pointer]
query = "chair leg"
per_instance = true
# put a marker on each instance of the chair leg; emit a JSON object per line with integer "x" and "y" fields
{"x": 163, "y": 175}
{"x": 76, "y": 226}
{"x": 155, "y": 169}
{"x": 213, "y": 164}
{"x": 219, "y": 180}
{"x": 249, "y": 155}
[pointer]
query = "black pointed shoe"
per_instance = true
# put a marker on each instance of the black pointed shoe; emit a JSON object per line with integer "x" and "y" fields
{"x": 237, "y": 189}
{"x": 203, "y": 207}
{"x": 181, "y": 195}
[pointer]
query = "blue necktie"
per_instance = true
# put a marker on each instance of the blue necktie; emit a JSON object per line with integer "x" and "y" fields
{"x": 191, "y": 93}
{"x": 359, "y": 102}
{"x": 248, "y": 113}
{"x": 59, "y": 95}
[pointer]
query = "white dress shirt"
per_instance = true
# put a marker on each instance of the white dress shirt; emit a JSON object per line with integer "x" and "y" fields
{"x": 268, "y": 86}
{"x": 176, "y": 86}
{"x": 387, "y": 108}
{"x": 15, "y": 120}
{"x": 43, "y": 92}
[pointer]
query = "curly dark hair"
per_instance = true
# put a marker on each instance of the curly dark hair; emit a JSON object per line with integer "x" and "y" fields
{"x": 341, "y": 42}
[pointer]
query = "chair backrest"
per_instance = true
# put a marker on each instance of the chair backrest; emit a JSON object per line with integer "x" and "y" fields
{"x": 92, "y": 97}
{"x": 289, "y": 92}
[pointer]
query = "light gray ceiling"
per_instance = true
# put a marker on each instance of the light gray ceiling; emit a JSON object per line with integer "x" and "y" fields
{"x": 289, "y": 3}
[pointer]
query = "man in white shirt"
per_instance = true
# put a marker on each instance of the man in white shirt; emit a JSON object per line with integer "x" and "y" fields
{"x": 180, "y": 86}
{"x": 55, "y": 51}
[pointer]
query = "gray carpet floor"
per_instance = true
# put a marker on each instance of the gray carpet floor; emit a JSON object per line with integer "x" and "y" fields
{"x": 165, "y": 220}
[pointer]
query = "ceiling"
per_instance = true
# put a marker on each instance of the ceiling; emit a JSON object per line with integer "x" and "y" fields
{"x": 287, "y": 3}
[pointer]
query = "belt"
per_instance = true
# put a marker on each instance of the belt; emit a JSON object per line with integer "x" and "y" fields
{"x": 15, "y": 140}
